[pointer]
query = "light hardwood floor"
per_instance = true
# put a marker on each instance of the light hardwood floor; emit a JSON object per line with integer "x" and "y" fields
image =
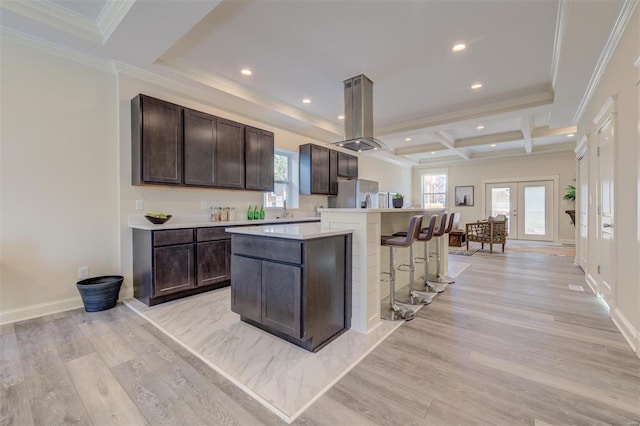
{"x": 508, "y": 344}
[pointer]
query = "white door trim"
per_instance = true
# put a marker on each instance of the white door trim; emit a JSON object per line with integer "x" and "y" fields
{"x": 607, "y": 113}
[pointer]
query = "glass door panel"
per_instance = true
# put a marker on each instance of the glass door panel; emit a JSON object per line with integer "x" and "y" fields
{"x": 534, "y": 211}
{"x": 502, "y": 199}
{"x": 535, "y": 201}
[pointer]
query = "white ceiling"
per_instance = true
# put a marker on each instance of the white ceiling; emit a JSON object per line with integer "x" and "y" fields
{"x": 535, "y": 60}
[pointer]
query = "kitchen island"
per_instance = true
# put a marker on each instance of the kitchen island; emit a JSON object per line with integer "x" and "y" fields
{"x": 293, "y": 281}
{"x": 370, "y": 259}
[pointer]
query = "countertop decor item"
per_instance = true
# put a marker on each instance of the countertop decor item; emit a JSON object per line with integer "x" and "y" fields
{"x": 398, "y": 200}
{"x": 157, "y": 218}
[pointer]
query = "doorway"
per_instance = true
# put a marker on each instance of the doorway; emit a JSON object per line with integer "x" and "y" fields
{"x": 527, "y": 205}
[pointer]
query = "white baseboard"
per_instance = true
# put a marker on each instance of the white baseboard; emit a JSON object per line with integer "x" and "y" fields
{"x": 39, "y": 310}
{"x": 567, "y": 242}
{"x": 591, "y": 282}
{"x": 48, "y": 308}
{"x": 631, "y": 335}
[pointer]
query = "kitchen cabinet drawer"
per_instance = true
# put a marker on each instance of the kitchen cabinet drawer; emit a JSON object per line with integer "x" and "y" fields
{"x": 211, "y": 234}
{"x": 174, "y": 236}
{"x": 268, "y": 248}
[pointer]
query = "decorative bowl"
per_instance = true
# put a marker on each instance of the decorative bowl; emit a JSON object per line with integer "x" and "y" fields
{"x": 157, "y": 220}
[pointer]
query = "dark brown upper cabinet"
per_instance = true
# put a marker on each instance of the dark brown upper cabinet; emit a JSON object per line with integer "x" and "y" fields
{"x": 259, "y": 153}
{"x": 156, "y": 142}
{"x": 347, "y": 166}
{"x": 229, "y": 161}
{"x": 200, "y": 137}
{"x": 333, "y": 172}
{"x": 314, "y": 169}
{"x": 173, "y": 145}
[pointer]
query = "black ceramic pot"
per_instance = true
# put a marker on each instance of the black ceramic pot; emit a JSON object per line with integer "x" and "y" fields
{"x": 398, "y": 202}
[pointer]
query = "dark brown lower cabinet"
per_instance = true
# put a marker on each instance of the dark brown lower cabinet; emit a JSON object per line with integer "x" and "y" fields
{"x": 297, "y": 290}
{"x": 175, "y": 263}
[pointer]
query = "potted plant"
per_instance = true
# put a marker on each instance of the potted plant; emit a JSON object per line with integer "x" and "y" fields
{"x": 570, "y": 195}
{"x": 398, "y": 200}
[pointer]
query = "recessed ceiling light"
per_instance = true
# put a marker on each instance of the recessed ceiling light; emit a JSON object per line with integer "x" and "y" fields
{"x": 479, "y": 127}
{"x": 570, "y": 135}
{"x": 341, "y": 117}
{"x": 493, "y": 145}
{"x": 246, "y": 71}
{"x": 433, "y": 152}
{"x": 306, "y": 101}
{"x": 476, "y": 86}
{"x": 459, "y": 47}
{"x": 407, "y": 139}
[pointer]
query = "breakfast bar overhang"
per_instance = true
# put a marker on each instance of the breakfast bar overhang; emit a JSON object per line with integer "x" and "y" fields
{"x": 368, "y": 226}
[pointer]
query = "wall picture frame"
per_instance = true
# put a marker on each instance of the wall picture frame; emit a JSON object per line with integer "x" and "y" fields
{"x": 464, "y": 196}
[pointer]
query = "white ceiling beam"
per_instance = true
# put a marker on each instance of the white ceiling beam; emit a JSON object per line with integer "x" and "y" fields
{"x": 450, "y": 142}
{"x": 526, "y": 123}
{"x": 417, "y": 149}
{"x": 545, "y": 131}
{"x": 490, "y": 139}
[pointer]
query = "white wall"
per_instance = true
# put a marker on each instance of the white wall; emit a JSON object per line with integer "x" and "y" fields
{"x": 59, "y": 200}
{"x": 472, "y": 173}
{"x": 619, "y": 80}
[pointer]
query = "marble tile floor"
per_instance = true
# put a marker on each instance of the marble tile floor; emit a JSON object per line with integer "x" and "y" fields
{"x": 283, "y": 377}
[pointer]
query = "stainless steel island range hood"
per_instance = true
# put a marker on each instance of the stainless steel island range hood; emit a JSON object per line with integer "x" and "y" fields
{"x": 358, "y": 116}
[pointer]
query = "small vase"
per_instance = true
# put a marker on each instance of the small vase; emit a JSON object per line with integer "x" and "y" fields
{"x": 398, "y": 202}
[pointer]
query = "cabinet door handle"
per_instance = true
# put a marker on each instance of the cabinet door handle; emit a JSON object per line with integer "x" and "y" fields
{"x": 607, "y": 225}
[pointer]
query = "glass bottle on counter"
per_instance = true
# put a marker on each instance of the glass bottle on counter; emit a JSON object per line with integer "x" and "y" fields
{"x": 262, "y": 215}
{"x": 249, "y": 213}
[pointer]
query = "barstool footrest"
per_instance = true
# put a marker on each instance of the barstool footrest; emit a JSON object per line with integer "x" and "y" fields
{"x": 446, "y": 279}
{"x": 436, "y": 286}
{"x": 405, "y": 267}
{"x": 420, "y": 297}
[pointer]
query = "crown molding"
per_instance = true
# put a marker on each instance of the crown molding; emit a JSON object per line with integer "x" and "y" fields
{"x": 112, "y": 14}
{"x": 512, "y": 106}
{"x": 616, "y": 33}
{"x": 57, "y": 17}
{"x": 561, "y": 24}
{"x": 63, "y": 19}
{"x": 56, "y": 50}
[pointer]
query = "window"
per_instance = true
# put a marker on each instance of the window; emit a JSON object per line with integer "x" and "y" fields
{"x": 434, "y": 190}
{"x": 285, "y": 181}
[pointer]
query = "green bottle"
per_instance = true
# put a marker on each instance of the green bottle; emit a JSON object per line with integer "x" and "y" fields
{"x": 249, "y": 213}
{"x": 261, "y": 212}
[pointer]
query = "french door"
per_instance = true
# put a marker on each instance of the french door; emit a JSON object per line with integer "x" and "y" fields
{"x": 527, "y": 205}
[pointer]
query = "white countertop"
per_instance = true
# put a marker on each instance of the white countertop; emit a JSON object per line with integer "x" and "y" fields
{"x": 293, "y": 231}
{"x": 148, "y": 226}
{"x": 355, "y": 210}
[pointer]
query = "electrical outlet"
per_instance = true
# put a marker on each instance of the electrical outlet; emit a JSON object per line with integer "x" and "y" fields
{"x": 83, "y": 272}
{"x": 139, "y": 205}
{"x": 203, "y": 205}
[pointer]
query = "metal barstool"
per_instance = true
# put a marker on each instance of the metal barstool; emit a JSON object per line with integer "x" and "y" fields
{"x": 425, "y": 236}
{"x": 398, "y": 311}
{"x": 435, "y": 284}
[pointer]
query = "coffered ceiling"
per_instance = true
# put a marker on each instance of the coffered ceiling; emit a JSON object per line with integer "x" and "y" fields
{"x": 534, "y": 59}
